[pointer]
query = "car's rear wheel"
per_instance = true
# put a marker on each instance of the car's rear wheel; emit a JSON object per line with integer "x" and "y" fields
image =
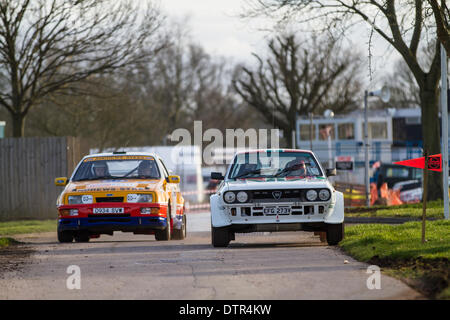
{"x": 335, "y": 233}
{"x": 180, "y": 234}
{"x": 82, "y": 237}
{"x": 65, "y": 236}
{"x": 220, "y": 237}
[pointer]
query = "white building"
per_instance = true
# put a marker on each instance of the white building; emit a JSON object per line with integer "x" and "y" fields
{"x": 394, "y": 135}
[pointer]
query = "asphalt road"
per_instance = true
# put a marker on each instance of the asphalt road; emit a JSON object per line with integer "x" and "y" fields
{"x": 293, "y": 265}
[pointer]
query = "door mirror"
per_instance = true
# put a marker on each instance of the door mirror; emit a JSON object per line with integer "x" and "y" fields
{"x": 331, "y": 172}
{"x": 61, "y": 181}
{"x": 217, "y": 176}
{"x": 174, "y": 179}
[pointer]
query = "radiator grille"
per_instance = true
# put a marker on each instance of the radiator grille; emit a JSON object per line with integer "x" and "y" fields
{"x": 109, "y": 199}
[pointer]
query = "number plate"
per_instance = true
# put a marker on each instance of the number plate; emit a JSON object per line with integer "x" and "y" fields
{"x": 276, "y": 210}
{"x": 108, "y": 210}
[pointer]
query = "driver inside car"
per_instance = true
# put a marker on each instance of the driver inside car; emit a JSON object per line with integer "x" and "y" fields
{"x": 100, "y": 169}
{"x": 147, "y": 169}
{"x": 296, "y": 167}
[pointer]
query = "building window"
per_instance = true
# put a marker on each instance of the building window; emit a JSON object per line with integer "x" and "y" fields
{"x": 346, "y": 131}
{"x": 325, "y": 130}
{"x": 305, "y": 130}
{"x": 377, "y": 130}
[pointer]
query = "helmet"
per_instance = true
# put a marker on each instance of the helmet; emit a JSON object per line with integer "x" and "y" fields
{"x": 99, "y": 165}
{"x": 146, "y": 165}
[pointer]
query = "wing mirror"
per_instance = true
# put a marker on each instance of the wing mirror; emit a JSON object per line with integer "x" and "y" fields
{"x": 174, "y": 179}
{"x": 217, "y": 176}
{"x": 61, "y": 181}
{"x": 331, "y": 172}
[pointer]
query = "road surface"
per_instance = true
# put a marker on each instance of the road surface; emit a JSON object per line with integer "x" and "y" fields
{"x": 292, "y": 265}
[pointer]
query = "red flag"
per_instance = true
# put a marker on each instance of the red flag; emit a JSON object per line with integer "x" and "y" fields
{"x": 434, "y": 163}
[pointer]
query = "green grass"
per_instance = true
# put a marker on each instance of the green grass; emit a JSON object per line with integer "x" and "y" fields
{"x": 27, "y": 226}
{"x": 435, "y": 209}
{"x": 398, "y": 241}
{"x": 5, "y": 242}
{"x": 400, "y": 250}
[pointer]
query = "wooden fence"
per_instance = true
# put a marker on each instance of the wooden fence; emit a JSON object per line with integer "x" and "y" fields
{"x": 28, "y": 167}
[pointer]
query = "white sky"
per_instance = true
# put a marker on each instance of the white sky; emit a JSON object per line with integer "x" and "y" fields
{"x": 215, "y": 25}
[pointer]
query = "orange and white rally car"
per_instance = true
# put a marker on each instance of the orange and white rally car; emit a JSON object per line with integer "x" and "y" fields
{"x": 128, "y": 192}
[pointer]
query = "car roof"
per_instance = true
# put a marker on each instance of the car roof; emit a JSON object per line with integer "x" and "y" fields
{"x": 273, "y": 150}
{"x": 112, "y": 154}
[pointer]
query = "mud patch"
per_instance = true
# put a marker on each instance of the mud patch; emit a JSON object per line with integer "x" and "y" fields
{"x": 14, "y": 257}
{"x": 428, "y": 276}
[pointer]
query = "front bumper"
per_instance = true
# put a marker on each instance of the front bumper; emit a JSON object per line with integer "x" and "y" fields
{"x": 331, "y": 212}
{"x": 131, "y": 220}
{"x": 109, "y": 224}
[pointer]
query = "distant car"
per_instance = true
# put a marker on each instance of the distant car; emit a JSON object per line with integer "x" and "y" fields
{"x": 276, "y": 190}
{"x": 410, "y": 190}
{"x": 129, "y": 192}
{"x": 392, "y": 174}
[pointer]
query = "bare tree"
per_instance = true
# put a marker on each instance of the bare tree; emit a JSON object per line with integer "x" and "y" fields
{"x": 47, "y": 46}
{"x": 404, "y": 26}
{"x": 300, "y": 77}
{"x": 441, "y": 14}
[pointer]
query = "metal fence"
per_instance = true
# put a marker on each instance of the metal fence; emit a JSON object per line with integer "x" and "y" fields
{"x": 28, "y": 167}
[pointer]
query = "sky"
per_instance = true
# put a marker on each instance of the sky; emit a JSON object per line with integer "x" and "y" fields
{"x": 215, "y": 25}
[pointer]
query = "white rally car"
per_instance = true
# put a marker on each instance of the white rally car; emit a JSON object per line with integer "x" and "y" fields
{"x": 275, "y": 190}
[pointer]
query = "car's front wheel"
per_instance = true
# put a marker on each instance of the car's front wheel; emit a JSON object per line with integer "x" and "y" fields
{"x": 65, "y": 236}
{"x": 220, "y": 237}
{"x": 164, "y": 235}
{"x": 82, "y": 237}
{"x": 335, "y": 233}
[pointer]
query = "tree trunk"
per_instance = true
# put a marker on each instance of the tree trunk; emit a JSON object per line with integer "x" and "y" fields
{"x": 431, "y": 137}
{"x": 18, "y": 125}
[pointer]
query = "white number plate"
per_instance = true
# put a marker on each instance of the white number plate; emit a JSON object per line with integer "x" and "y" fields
{"x": 108, "y": 210}
{"x": 277, "y": 210}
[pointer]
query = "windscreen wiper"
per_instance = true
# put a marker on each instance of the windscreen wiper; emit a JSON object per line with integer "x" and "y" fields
{"x": 247, "y": 173}
{"x": 291, "y": 168}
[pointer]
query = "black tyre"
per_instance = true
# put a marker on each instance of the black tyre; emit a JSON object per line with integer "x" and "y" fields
{"x": 335, "y": 233}
{"x": 65, "y": 236}
{"x": 82, "y": 237}
{"x": 164, "y": 235}
{"x": 220, "y": 237}
{"x": 180, "y": 234}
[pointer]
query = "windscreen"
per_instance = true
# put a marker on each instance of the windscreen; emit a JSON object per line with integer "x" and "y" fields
{"x": 274, "y": 164}
{"x": 124, "y": 167}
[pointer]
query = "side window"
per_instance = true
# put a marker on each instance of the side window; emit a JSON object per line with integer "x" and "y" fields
{"x": 166, "y": 173}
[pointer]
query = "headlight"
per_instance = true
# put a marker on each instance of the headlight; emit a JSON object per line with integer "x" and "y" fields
{"x": 83, "y": 199}
{"x": 324, "y": 194}
{"x": 242, "y": 196}
{"x": 311, "y": 195}
{"x": 229, "y": 197}
{"x": 139, "y": 198}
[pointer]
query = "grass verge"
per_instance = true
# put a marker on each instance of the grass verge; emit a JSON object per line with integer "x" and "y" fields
{"x": 399, "y": 251}
{"x": 435, "y": 209}
{"x": 26, "y": 226}
{"x": 6, "y": 242}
